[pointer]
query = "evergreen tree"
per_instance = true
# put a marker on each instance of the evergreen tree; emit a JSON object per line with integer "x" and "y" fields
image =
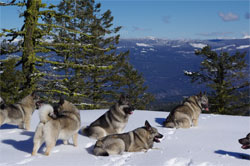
{"x": 131, "y": 82}
{"x": 26, "y": 46}
{"x": 71, "y": 50}
{"x": 98, "y": 86}
{"x": 11, "y": 80}
{"x": 34, "y": 45}
{"x": 226, "y": 75}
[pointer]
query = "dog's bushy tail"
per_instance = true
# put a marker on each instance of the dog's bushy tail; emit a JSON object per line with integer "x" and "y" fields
{"x": 169, "y": 124}
{"x": 84, "y": 131}
{"x": 98, "y": 150}
{"x": 44, "y": 111}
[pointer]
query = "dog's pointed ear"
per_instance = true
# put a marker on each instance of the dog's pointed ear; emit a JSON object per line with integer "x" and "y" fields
{"x": 122, "y": 98}
{"x": 147, "y": 125}
{"x": 61, "y": 101}
{"x": 200, "y": 94}
{"x": 33, "y": 94}
{"x": 2, "y": 106}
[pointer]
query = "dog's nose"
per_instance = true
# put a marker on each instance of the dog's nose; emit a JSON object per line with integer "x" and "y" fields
{"x": 160, "y": 135}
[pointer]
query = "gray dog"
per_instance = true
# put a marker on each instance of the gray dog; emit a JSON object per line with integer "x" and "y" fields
{"x": 19, "y": 113}
{"x": 60, "y": 122}
{"x": 111, "y": 122}
{"x": 187, "y": 114}
{"x": 140, "y": 139}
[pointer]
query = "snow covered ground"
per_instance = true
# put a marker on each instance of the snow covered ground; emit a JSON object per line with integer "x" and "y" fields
{"x": 213, "y": 143}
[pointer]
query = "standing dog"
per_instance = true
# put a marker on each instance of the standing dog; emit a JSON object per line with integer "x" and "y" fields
{"x": 61, "y": 122}
{"x": 245, "y": 142}
{"x": 140, "y": 139}
{"x": 111, "y": 122}
{"x": 19, "y": 113}
{"x": 187, "y": 114}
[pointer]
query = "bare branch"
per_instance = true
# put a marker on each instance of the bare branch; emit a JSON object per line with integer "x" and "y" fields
{"x": 8, "y": 4}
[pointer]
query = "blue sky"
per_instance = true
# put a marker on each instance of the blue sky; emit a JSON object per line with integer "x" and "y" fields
{"x": 169, "y": 19}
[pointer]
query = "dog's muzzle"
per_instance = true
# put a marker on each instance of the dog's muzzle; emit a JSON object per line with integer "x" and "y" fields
{"x": 129, "y": 110}
{"x": 157, "y": 138}
{"x": 245, "y": 142}
{"x": 205, "y": 107}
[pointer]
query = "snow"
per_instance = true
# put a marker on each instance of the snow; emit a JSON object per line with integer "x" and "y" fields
{"x": 176, "y": 46}
{"x": 224, "y": 48}
{"x": 143, "y": 45}
{"x": 243, "y": 46}
{"x": 151, "y": 38}
{"x": 188, "y": 72}
{"x": 198, "y": 45}
{"x": 246, "y": 37}
{"x": 214, "y": 142}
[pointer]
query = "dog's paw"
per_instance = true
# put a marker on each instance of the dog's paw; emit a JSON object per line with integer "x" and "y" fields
{"x": 46, "y": 153}
{"x": 33, "y": 153}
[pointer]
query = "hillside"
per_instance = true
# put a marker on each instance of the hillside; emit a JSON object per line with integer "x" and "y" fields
{"x": 162, "y": 62}
{"x": 213, "y": 143}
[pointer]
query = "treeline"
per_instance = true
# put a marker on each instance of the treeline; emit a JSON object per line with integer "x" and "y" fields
{"x": 68, "y": 49}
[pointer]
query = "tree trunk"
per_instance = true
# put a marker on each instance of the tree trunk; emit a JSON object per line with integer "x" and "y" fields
{"x": 28, "y": 57}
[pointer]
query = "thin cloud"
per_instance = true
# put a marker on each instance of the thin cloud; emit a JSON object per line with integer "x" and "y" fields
{"x": 212, "y": 34}
{"x": 135, "y": 28}
{"x": 228, "y": 16}
{"x": 165, "y": 19}
{"x": 217, "y": 35}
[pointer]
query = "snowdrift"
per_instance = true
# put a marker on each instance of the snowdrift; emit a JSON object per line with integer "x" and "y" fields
{"x": 213, "y": 143}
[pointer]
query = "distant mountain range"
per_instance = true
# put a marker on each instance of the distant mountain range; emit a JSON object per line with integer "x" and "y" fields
{"x": 162, "y": 62}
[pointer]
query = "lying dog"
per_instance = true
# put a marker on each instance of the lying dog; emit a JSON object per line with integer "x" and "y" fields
{"x": 245, "y": 142}
{"x": 140, "y": 139}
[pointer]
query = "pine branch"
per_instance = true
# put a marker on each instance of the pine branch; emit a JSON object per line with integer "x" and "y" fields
{"x": 8, "y": 4}
{"x": 65, "y": 28}
{"x": 73, "y": 65}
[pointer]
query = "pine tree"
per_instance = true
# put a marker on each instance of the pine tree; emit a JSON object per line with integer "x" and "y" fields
{"x": 26, "y": 46}
{"x": 37, "y": 52}
{"x": 133, "y": 84}
{"x": 226, "y": 76}
{"x": 98, "y": 86}
{"x": 11, "y": 80}
{"x": 70, "y": 49}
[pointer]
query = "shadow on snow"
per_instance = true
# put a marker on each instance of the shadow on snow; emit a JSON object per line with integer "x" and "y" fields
{"x": 26, "y": 145}
{"x": 234, "y": 154}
